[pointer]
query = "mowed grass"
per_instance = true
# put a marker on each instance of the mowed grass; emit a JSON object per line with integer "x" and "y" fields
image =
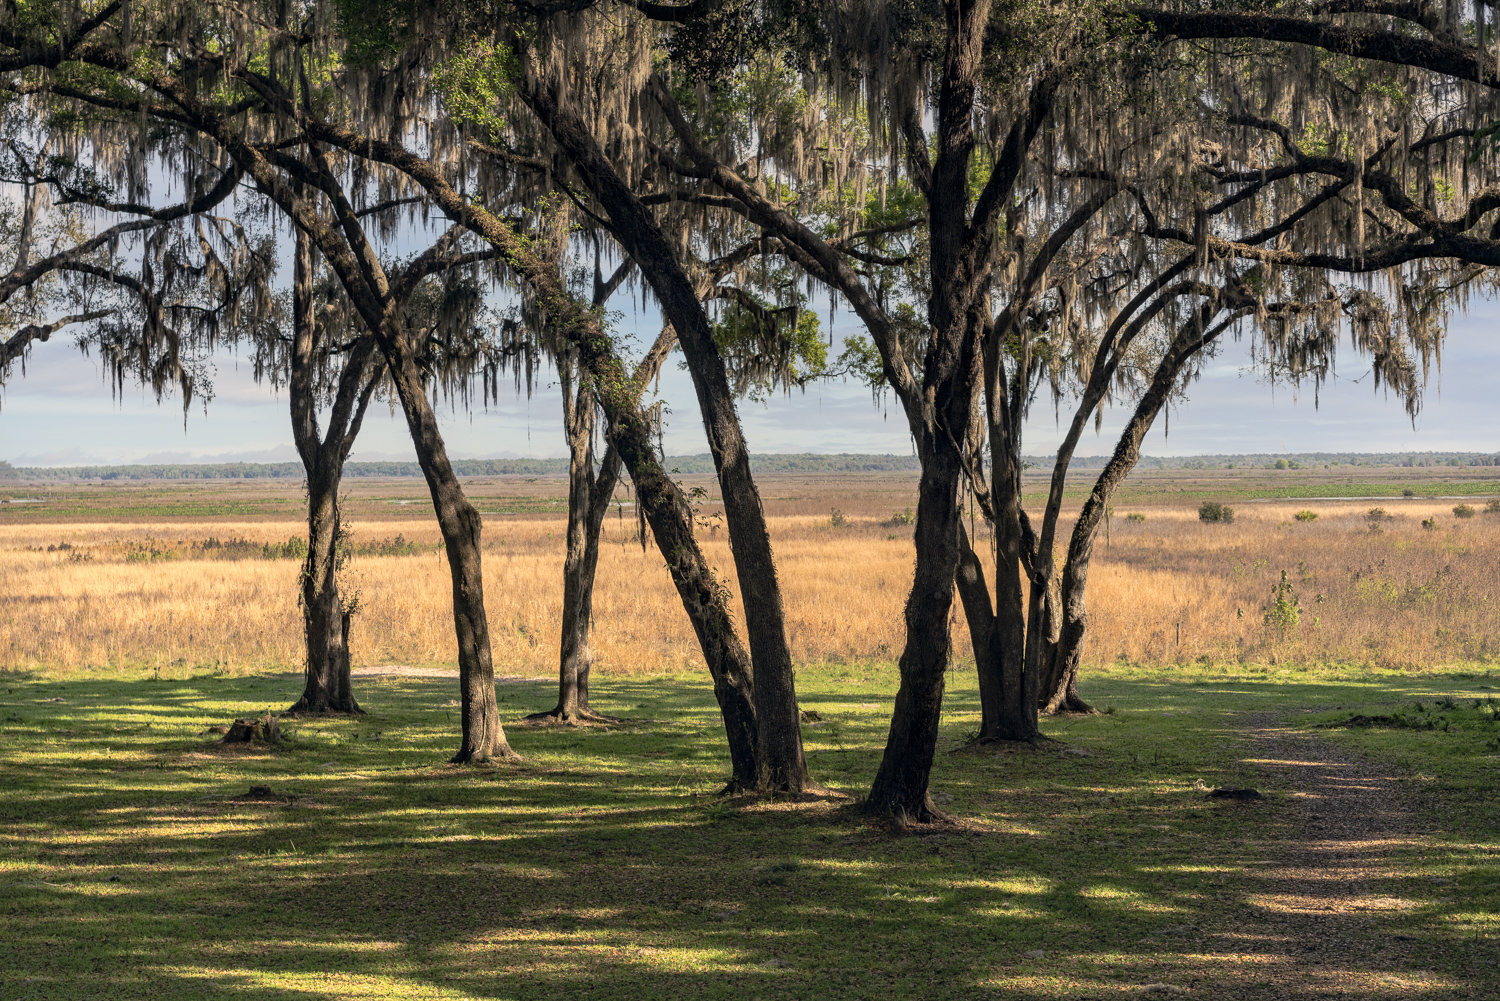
{"x": 603, "y": 865}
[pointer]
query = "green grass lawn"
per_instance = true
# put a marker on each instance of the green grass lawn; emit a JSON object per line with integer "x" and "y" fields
{"x": 133, "y": 866}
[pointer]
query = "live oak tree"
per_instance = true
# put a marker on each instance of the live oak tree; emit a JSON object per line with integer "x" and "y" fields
{"x": 171, "y": 71}
{"x": 980, "y": 108}
{"x": 970, "y": 222}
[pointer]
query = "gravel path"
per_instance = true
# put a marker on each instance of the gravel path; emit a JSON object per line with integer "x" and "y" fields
{"x": 1326, "y": 889}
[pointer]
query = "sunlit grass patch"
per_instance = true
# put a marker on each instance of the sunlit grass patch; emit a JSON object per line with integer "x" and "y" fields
{"x": 603, "y": 863}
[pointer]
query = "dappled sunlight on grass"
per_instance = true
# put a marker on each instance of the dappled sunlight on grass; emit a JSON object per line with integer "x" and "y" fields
{"x": 602, "y": 861}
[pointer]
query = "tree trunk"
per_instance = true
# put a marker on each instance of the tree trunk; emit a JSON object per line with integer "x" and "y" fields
{"x": 1127, "y": 453}
{"x": 900, "y": 788}
{"x": 703, "y": 595}
{"x": 979, "y": 610}
{"x": 483, "y": 736}
{"x": 780, "y": 762}
{"x": 588, "y": 501}
{"x": 327, "y": 686}
{"x": 1017, "y": 617}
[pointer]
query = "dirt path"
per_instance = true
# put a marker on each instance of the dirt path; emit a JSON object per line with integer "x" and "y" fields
{"x": 1328, "y": 897}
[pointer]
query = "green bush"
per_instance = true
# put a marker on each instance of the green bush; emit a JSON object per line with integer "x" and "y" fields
{"x": 902, "y": 518}
{"x": 1429, "y": 523}
{"x": 1135, "y": 516}
{"x": 1215, "y": 512}
{"x": 1306, "y": 516}
{"x": 837, "y": 518}
{"x": 1493, "y": 507}
{"x": 1463, "y": 511}
{"x": 1283, "y": 611}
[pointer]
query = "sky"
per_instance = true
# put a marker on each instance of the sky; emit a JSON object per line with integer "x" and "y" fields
{"x": 62, "y": 413}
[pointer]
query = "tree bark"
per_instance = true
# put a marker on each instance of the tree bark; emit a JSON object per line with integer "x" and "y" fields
{"x": 900, "y": 788}
{"x": 589, "y": 496}
{"x": 665, "y": 508}
{"x": 780, "y": 762}
{"x": 327, "y": 686}
{"x": 362, "y": 274}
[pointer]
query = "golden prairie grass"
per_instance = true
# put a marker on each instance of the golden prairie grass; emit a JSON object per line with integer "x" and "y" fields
{"x": 1170, "y": 589}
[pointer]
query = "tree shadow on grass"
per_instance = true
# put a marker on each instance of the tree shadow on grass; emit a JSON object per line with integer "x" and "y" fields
{"x": 593, "y": 868}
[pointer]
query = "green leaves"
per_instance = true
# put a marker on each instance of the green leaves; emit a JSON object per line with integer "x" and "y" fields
{"x": 473, "y": 85}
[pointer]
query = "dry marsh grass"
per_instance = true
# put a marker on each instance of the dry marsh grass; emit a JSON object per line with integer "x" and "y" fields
{"x": 1169, "y": 589}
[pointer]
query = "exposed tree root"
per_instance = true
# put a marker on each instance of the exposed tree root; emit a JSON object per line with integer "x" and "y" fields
{"x": 1069, "y": 705}
{"x": 1008, "y": 745}
{"x": 465, "y": 757}
{"x": 303, "y": 709}
{"x": 901, "y": 819}
{"x": 575, "y": 717}
{"x": 745, "y": 795}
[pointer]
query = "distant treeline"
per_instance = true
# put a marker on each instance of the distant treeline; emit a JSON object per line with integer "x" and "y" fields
{"x": 804, "y": 462}
{"x": 1298, "y": 460}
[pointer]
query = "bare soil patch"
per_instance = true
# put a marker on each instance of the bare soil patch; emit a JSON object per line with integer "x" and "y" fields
{"x": 1318, "y": 924}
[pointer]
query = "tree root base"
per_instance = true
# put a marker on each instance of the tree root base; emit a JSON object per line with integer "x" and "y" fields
{"x": 742, "y": 794}
{"x": 303, "y": 709}
{"x": 1008, "y": 745}
{"x": 505, "y": 756}
{"x": 901, "y": 820}
{"x": 577, "y": 717}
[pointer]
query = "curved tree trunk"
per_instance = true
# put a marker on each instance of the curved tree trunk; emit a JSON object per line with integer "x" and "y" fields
{"x": 461, "y": 525}
{"x": 662, "y": 503}
{"x": 1127, "y": 453}
{"x": 703, "y": 595}
{"x": 900, "y": 788}
{"x": 327, "y": 686}
{"x": 780, "y": 762}
{"x": 588, "y": 501}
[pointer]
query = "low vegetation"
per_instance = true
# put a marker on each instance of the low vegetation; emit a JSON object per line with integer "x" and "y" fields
{"x": 1216, "y": 513}
{"x": 1081, "y": 868}
{"x": 1376, "y": 589}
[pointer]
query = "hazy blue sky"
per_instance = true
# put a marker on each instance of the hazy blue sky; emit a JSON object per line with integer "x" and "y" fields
{"x": 61, "y": 413}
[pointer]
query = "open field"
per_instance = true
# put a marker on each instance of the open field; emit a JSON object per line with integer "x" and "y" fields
{"x": 191, "y": 593}
{"x": 135, "y": 862}
{"x": 871, "y": 494}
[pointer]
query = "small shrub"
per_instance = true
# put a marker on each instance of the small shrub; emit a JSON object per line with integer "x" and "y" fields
{"x": 294, "y": 548}
{"x": 1280, "y": 464}
{"x": 1135, "y": 516}
{"x": 1408, "y": 492}
{"x": 837, "y": 518}
{"x": 1306, "y": 516}
{"x": 1215, "y": 512}
{"x": 1282, "y": 611}
{"x": 1376, "y": 514}
{"x": 397, "y": 546}
{"x": 1463, "y": 511}
{"x": 902, "y": 518}
{"x": 1493, "y": 507}
{"x": 1429, "y": 523}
